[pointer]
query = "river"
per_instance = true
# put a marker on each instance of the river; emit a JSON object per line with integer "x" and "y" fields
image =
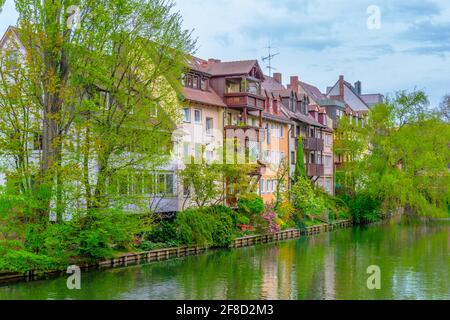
{"x": 414, "y": 261}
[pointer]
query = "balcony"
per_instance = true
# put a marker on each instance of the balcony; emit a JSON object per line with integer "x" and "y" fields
{"x": 315, "y": 170}
{"x": 313, "y": 144}
{"x": 240, "y": 100}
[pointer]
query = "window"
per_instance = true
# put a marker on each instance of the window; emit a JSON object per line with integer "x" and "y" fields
{"x": 262, "y": 185}
{"x": 268, "y": 133}
{"x": 281, "y": 131}
{"x": 165, "y": 184}
{"x": 328, "y": 161}
{"x": 204, "y": 85}
{"x": 328, "y": 140}
{"x": 187, "y": 152}
{"x": 209, "y": 155}
{"x": 187, "y": 115}
{"x": 268, "y": 186}
{"x": 197, "y": 116}
{"x": 189, "y": 81}
{"x": 292, "y": 131}
{"x": 293, "y": 157}
{"x": 209, "y": 126}
{"x": 195, "y": 83}
{"x": 282, "y": 156}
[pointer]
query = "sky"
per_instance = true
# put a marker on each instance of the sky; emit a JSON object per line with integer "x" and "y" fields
{"x": 387, "y": 45}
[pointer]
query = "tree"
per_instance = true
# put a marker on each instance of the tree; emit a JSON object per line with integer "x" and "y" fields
{"x": 211, "y": 184}
{"x": 407, "y": 161}
{"x": 92, "y": 89}
{"x": 300, "y": 168}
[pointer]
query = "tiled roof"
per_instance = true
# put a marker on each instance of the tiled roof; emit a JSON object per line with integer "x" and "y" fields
{"x": 231, "y": 68}
{"x": 271, "y": 85}
{"x": 372, "y": 99}
{"x": 205, "y": 97}
{"x": 303, "y": 118}
{"x": 313, "y": 91}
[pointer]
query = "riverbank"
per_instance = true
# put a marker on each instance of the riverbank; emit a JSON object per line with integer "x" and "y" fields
{"x": 179, "y": 252}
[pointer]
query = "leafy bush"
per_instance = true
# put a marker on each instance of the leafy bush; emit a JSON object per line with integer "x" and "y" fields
{"x": 165, "y": 231}
{"x": 364, "y": 208}
{"x": 213, "y": 226}
{"x": 251, "y": 205}
{"x": 305, "y": 199}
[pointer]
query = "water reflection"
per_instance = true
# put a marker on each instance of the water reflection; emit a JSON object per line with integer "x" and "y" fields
{"x": 414, "y": 261}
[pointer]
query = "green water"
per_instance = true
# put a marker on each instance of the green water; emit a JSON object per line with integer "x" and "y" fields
{"x": 414, "y": 262}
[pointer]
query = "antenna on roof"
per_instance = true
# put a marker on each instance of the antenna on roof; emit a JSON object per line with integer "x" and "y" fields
{"x": 269, "y": 59}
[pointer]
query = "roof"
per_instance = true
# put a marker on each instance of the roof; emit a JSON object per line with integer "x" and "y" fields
{"x": 11, "y": 29}
{"x": 231, "y": 68}
{"x": 204, "y": 97}
{"x": 303, "y": 118}
{"x": 313, "y": 91}
{"x": 372, "y": 99}
{"x": 270, "y": 84}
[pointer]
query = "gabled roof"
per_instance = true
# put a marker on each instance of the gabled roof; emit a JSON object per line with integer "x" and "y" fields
{"x": 10, "y": 31}
{"x": 372, "y": 99}
{"x": 270, "y": 84}
{"x": 232, "y": 68}
{"x": 313, "y": 92}
{"x": 209, "y": 97}
{"x": 352, "y": 90}
{"x": 302, "y": 118}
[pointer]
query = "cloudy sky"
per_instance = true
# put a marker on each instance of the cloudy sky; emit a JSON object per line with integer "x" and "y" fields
{"x": 319, "y": 40}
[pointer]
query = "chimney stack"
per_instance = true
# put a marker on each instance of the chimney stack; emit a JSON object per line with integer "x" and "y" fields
{"x": 358, "y": 87}
{"x": 278, "y": 77}
{"x": 341, "y": 87}
{"x": 294, "y": 83}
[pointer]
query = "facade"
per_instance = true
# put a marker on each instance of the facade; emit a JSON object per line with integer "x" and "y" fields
{"x": 295, "y": 105}
{"x": 228, "y": 102}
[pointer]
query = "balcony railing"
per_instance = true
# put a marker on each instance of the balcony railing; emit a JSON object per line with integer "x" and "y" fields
{"x": 313, "y": 144}
{"x": 315, "y": 170}
{"x": 244, "y": 100}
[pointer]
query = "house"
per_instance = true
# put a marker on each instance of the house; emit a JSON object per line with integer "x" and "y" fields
{"x": 318, "y": 107}
{"x": 296, "y": 107}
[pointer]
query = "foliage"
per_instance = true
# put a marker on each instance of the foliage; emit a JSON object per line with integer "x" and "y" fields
{"x": 207, "y": 227}
{"x": 164, "y": 232}
{"x": 365, "y": 208}
{"x": 270, "y": 217}
{"x": 305, "y": 200}
{"x": 300, "y": 168}
{"x": 251, "y": 205}
{"x": 406, "y": 164}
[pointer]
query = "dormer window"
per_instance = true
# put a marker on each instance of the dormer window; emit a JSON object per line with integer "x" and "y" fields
{"x": 195, "y": 82}
{"x": 204, "y": 85}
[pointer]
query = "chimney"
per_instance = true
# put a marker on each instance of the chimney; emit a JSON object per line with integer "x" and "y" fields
{"x": 294, "y": 83}
{"x": 212, "y": 61}
{"x": 341, "y": 87}
{"x": 278, "y": 77}
{"x": 358, "y": 87}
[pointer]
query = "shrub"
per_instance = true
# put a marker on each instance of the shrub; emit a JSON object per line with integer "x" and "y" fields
{"x": 165, "y": 231}
{"x": 251, "y": 205}
{"x": 212, "y": 226}
{"x": 364, "y": 207}
{"x": 271, "y": 224}
{"x": 194, "y": 227}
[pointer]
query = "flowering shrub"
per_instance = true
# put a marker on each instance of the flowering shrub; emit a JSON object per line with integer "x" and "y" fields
{"x": 271, "y": 218}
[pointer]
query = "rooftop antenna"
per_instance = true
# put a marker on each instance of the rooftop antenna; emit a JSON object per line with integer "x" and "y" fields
{"x": 269, "y": 59}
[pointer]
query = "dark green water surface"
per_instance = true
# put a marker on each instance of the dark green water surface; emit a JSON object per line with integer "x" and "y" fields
{"x": 414, "y": 261}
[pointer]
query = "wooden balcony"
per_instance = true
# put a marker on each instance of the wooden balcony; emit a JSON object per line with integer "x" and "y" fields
{"x": 315, "y": 170}
{"x": 240, "y": 100}
{"x": 313, "y": 144}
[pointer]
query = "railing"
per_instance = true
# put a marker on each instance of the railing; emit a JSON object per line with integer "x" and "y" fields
{"x": 244, "y": 100}
{"x": 315, "y": 170}
{"x": 313, "y": 144}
